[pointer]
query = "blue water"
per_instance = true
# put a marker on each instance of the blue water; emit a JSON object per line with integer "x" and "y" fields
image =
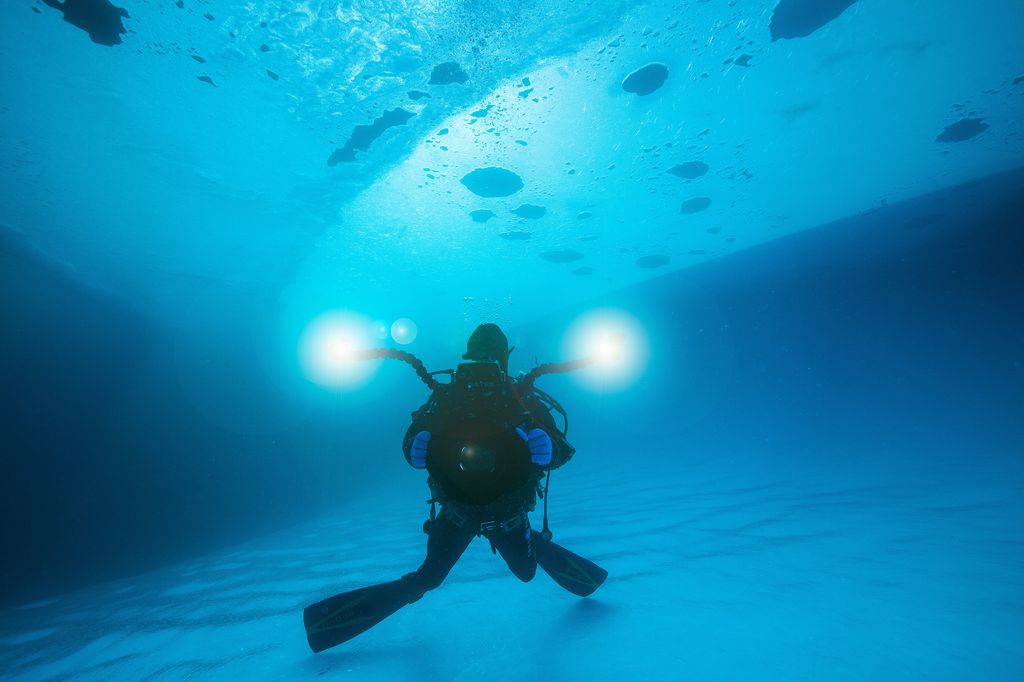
{"x": 811, "y": 210}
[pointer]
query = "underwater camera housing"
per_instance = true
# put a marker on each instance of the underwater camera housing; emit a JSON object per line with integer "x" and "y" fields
{"x": 476, "y": 458}
{"x": 479, "y": 379}
{"x": 476, "y": 380}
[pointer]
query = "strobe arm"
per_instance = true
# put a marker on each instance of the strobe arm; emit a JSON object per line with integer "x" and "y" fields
{"x": 404, "y": 356}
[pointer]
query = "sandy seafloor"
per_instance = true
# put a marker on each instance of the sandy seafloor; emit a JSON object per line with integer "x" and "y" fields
{"x": 715, "y": 575}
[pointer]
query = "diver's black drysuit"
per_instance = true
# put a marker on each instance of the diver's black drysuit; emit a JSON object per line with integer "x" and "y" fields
{"x": 504, "y": 522}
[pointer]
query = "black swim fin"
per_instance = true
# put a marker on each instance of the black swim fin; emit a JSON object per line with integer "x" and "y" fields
{"x": 576, "y": 574}
{"x": 339, "y": 618}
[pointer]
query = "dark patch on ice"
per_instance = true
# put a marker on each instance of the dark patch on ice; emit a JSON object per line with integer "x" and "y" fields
{"x": 480, "y": 113}
{"x": 801, "y": 18}
{"x": 695, "y": 205}
{"x": 206, "y": 79}
{"x": 210, "y": 17}
{"x": 492, "y": 182}
{"x": 442, "y": 131}
{"x": 655, "y": 261}
{"x": 583, "y": 215}
{"x": 180, "y": 4}
{"x": 515, "y": 235}
{"x": 743, "y": 60}
{"x": 964, "y": 129}
{"x": 689, "y": 170}
{"x": 273, "y": 76}
{"x": 583, "y": 271}
{"x": 482, "y": 215}
{"x": 199, "y": 59}
{"x": 530, "y": 211}
{"x": 417, "y": 94}
{"x": 363, "y": 136}
{"x": 567, "y": 256}
{"x": 99, "y": 18}
{"x": 448, "y": 73}
{"x": 521, "y": 142}
{"x": 523, "y": 94}
{"x": 646, "y": 79}
{"x": 797, "y": 110}
{"x": 264, "y": 48}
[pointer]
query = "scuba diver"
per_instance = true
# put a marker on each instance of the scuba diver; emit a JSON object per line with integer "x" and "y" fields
{"x": 486, "y": 442}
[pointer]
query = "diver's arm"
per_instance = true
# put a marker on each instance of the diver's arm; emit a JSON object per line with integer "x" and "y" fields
{"x": 562, "y": 451}
{"x": 410, "y": 434}
{"x": 422, "y": 420}
{"x": 417, "y": 437}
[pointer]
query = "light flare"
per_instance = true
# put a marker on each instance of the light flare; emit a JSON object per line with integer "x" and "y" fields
{"x": 330, "y": 348}
{"x": 404, "y": 331}
{"x": 615, "y": 345}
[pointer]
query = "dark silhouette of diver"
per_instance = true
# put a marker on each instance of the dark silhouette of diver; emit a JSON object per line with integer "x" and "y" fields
{"x": 486, "y": 442}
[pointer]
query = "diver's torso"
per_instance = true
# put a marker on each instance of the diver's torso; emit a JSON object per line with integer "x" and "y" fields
{"x": 475, "y": 457}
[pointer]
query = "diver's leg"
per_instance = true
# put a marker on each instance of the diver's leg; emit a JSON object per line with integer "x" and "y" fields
{"x": 445, "y": 544}
{"x": 339, "y": 618}
{"x": 516, "y": 548}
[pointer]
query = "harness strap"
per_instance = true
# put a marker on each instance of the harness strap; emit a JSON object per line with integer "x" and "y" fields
{"x": 460, "y": 519}
{"x": 519, "y": 399}
{"x": 546, "y": 532}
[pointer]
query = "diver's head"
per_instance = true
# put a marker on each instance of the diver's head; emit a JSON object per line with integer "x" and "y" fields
{"x": 488, "y": 343}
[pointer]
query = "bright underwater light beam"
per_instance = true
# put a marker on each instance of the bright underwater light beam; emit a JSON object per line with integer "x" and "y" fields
{"x": 615, "y": 346}
{"x": 330, "y": 350}
{"x": 608, "y": 347}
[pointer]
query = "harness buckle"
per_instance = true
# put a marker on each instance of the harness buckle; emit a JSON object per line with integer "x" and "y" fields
{"x": 513, "y": 523}
{"x": 457, "y": 518}
{"x": 505, "y": 526}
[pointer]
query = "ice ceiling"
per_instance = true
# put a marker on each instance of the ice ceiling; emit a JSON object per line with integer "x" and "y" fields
{"x": 479, "y": 159}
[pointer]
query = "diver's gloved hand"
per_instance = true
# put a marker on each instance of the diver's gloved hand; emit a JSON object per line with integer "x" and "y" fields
{"x": 418, "y": 450}
{"x": 540, "y": 445}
